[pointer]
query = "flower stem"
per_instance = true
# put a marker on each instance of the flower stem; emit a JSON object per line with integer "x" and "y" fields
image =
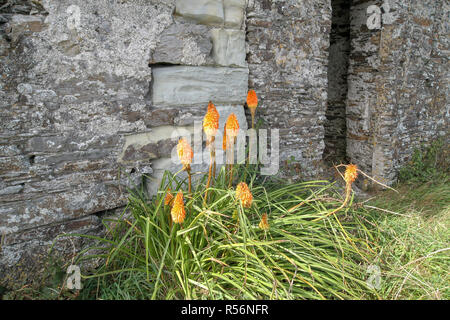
{"x": 209, "y": 141}
{"x": 231, "y": 164}
{"x": 188, "y": 170}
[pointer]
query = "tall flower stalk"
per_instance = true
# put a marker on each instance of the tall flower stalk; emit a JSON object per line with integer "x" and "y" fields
{"x": 185, "y": 154}
{"x": 252, "y": 103}
{"x": 231, "y": 131}
{"x": 350, "y": 175}
{"x": 210, "y": 126}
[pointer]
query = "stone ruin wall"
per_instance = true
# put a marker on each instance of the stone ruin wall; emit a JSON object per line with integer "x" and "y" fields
{"x": 288, "y": 69}
{"x": 82, "y": 100}
{"x": 397, "y": 85}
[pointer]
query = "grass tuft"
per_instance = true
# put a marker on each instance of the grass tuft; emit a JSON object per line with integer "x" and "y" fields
{"x": 219, "y": 252}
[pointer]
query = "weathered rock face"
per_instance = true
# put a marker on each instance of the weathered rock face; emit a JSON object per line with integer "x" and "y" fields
{"x": 79, "y": 103}
{"x": 91, "y": 89}
{"x": 398, "y": 84}
{"x": 288, "y": 55}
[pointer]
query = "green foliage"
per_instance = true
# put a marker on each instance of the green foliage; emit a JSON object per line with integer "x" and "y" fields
{"x": 220, "y": 252}
{"x": 426, "y": 164}
{"x": 414, "y": 242}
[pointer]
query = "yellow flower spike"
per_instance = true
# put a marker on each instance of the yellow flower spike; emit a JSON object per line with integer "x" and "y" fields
{"x": 243, "y": 193}
{"x": 351, "y": 173}
{"x": 210, "y": 126}
{"x": 252, "y": 103}
{"x": 232, "y": 130}
{"x": 185, "y": 153}
{"x": 212, "y": 109}
{"x": 168, "y": 200}
{"x": 264, "y": 223}
{"x": 232, "y": 126}
{"x": 178, "y": 212}
{"x": 215, "y": 114}
{"x": 211, "y": 121}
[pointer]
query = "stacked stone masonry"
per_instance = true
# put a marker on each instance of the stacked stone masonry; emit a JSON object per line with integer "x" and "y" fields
{"x": 93, "y": 95}
{"x": 397, "y": 84}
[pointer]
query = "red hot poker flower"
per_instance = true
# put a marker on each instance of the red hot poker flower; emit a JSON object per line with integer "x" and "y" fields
{"x": 243, "y": 193}
{"x": 185, "y": 153}
{"x": 178, "y": 212}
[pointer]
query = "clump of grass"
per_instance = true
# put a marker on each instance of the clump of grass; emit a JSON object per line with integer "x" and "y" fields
{"x": 427, "y": 164}
{"x": 220, "y": 252}
{"x": 414, "y": 240}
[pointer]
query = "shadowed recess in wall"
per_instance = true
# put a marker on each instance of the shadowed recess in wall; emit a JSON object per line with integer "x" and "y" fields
{"x": 335, "y": 125}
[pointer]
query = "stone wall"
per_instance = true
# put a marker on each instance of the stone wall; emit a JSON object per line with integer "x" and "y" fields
{"x": 398, "y": 84}
{"x": 92, "y": 94}
{"x": 288, "y": 56}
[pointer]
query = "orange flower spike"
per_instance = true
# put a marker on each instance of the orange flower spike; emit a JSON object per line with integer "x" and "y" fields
{"x": 232, "y": 129}
{"x": 185, "y": 153}
{"x": 168, "y": 200}
{"x": 252, "y": 99}
{"x": 252, "y": 103}
{"x": 212, "y": 108}
{"x": 232, "y": 125}
{"x": 178, "y": 212}
{"x": 211, "y": 121}
{"x": 351, "y": 173}
{"x": 243, "y": 193}
{"x": 264, "y": 223}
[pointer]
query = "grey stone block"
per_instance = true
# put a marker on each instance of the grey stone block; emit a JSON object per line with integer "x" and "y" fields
{"x": 202, "y": 11}
{"x": 234, "y": 13}
{"x": 229, "y": 13}
{"x": 184, "y": 85}
{"x": 186, "y": 44}
{"x": 229, "y": 47}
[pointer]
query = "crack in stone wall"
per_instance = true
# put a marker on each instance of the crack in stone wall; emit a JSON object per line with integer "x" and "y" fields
{"x": 335, "y": 125}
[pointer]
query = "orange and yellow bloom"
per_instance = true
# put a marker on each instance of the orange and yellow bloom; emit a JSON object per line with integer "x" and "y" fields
{"x": 351, "y": 173}
{"x": 264, "y": 223}
{"x": 252, "y": 99}
{"x": 243, "y": 193}
{"x": 178, "y": 212}
{"x": 252, "y": 103}
{"x": 168, "y": 200}
{"x": 232, "y": 126}
{"x": 185, "y": 153}
{"x": 210, "y": 126}
{"x": 211, "y": 121}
